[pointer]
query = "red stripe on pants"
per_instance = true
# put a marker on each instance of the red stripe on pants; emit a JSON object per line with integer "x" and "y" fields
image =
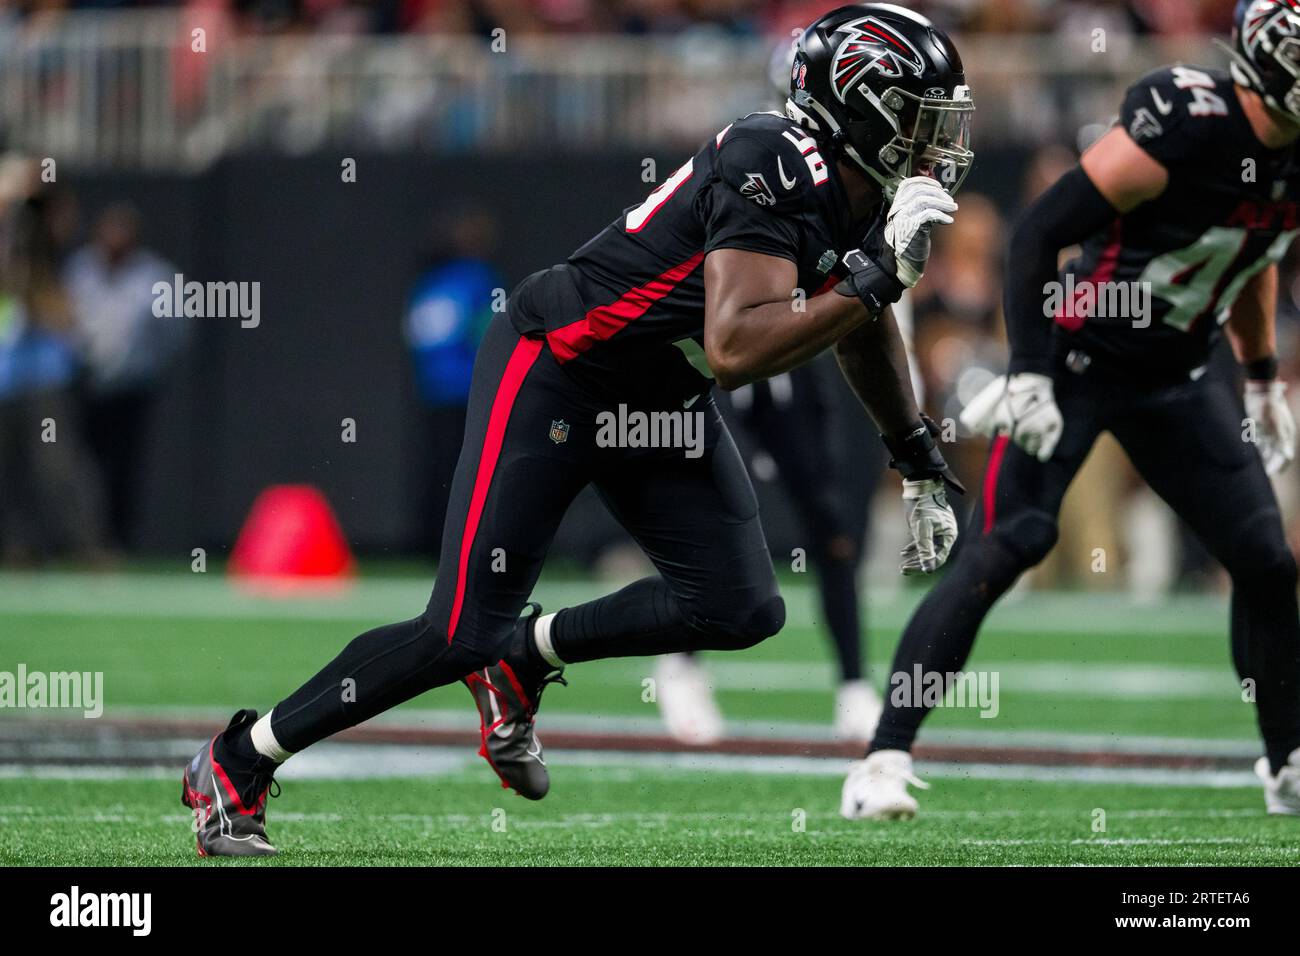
{"x": 521, "y": 360}
{"x": 991, "y": 481}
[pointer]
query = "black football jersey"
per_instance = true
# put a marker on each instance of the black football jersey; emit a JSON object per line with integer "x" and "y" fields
{"x": 626, "y": 311}
{"x": 1182, "y": 259}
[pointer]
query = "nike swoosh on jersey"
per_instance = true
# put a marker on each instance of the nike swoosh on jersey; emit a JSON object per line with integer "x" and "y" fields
{"x": 1162, "y": 105}
{"x": 787, "y": 182}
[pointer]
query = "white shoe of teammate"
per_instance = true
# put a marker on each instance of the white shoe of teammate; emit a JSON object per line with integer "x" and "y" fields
{"x": 1281, "y": 792}
{"x": 686, "y": 702}
{"x": 876, "y": 788}
{"x": 857, "y": 711}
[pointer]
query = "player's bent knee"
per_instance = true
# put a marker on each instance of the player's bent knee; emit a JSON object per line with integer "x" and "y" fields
{"x": 468, "y": 657}
{"x": 1261, "y": 557}
{"x": 766, "y": 620}
{"x": 739, "y": 626}
{"x": 1279, "y": 566}
{"x": 471, "y": 650}
{"x": 1028, "y": 536}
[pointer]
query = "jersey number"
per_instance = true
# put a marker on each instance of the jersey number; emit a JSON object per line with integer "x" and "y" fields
{"x": 1189, "y": 279}
{"x": 807, "y": 147}
{"x": 638, "y": 217}
{"x": 1204, "y": 102}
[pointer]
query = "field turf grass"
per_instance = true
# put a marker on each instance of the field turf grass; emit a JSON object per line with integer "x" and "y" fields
{"x": 1073, "y": 665}
{"x": 614, "y": 816}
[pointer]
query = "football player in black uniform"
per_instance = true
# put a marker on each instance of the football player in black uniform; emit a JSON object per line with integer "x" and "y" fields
{"x": 715, "y": 276}
{"x": 1183, "y": 210}
{"x": 798, "y": 422}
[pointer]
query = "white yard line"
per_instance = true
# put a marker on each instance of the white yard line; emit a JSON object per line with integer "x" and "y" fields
{"x": 329, "y": 761}
{"x": 1141, "y": 681}
{"x": 650, "y": 724}
{"x": 186, "y": 595}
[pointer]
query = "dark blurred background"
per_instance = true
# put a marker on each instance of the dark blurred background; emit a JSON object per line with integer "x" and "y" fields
{"x": 382, "y": 170}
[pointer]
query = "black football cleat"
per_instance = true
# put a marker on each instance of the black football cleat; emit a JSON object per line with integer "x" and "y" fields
{"x": 507, "y": 695}
{"x": 229, "y": 801}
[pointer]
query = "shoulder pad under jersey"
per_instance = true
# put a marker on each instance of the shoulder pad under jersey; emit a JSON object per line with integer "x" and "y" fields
{"x": 1173, "y": 112}
{"x": 772, "y": 162}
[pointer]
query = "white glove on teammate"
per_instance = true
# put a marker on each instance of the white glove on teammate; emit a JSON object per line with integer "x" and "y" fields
{"x": 1021, "y": 406}
{"x": 1274, "y": 427}
{"x": 918, "y": 204}
{"x": 932, "y": 523}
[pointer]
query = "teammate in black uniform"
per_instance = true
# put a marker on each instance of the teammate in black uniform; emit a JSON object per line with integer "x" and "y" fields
{"x": 1184, "y": 209}
{"x": 713, "y": 277}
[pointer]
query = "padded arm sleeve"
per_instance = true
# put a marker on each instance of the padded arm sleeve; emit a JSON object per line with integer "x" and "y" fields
{"x": 1071, "y": 211}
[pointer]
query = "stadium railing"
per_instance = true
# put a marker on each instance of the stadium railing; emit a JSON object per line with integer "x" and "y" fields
{"x": 130, "y": 89}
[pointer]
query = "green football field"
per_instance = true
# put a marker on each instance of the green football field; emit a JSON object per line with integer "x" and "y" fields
{"x": 1092, "y": 674}
{"x": 619, "y": 815}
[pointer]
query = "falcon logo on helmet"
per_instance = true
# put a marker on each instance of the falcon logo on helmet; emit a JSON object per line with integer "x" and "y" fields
{"x": 871, "y": 47}
{"x": 1265, "y": 52}
{"x": 883, "y": 89}
{"x": 1261, "y": 14}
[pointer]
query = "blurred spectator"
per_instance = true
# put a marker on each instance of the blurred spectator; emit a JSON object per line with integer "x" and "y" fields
{"x": 126, "y": 350}
{"x": 444, "y": 96}
{"x": 1185, "y": 16}
{"x": 52, "y": 501}
{"x": 667, "y": 16}
{"x": 1048, "y": 164}
{"x": 449, "y": 308}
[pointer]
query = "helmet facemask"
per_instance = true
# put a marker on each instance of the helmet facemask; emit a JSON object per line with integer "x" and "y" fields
{"x": 931, "y": 138}
{"x": 1287, "y": 54}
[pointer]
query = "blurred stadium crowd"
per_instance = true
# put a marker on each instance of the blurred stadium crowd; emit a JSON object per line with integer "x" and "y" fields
{"x": 83, "y": 356}
{"x": 79, "y": 344}
{"x": 744, "y": 17}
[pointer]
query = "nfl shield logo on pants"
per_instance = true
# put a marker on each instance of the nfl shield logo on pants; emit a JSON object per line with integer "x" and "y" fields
{"x": 559, "y": 431}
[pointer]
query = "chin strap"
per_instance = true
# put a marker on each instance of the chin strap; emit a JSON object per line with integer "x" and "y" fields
{"x": 841, "y": 148}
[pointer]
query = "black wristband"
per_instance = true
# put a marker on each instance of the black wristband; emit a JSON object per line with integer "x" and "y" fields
{"x": 870, "y": 281}
{"x": 1261, "y": 369}
{"x": 914, "y": 454}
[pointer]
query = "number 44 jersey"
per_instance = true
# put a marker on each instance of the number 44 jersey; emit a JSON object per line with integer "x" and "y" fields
{"x": 625, "y": 313}
{"x": 1149, "y": 294}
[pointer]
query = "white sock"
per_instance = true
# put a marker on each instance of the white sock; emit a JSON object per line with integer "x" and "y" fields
{"x": 542, "y": 640}
{"x": 264, "y": 741}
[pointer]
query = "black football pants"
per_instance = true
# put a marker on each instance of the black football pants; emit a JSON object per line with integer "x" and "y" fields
{"x": 1187, "y": 443}
{"x": 801, "y": 420}
{"x": 530, "y": 447}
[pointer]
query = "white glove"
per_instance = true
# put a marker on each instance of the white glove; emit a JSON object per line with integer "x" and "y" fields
{"x": 1274, "y": 427}
{"x": 918, "y": 204}
{"x": 1021, "y": 406}
{"x": 932, "y": 523}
